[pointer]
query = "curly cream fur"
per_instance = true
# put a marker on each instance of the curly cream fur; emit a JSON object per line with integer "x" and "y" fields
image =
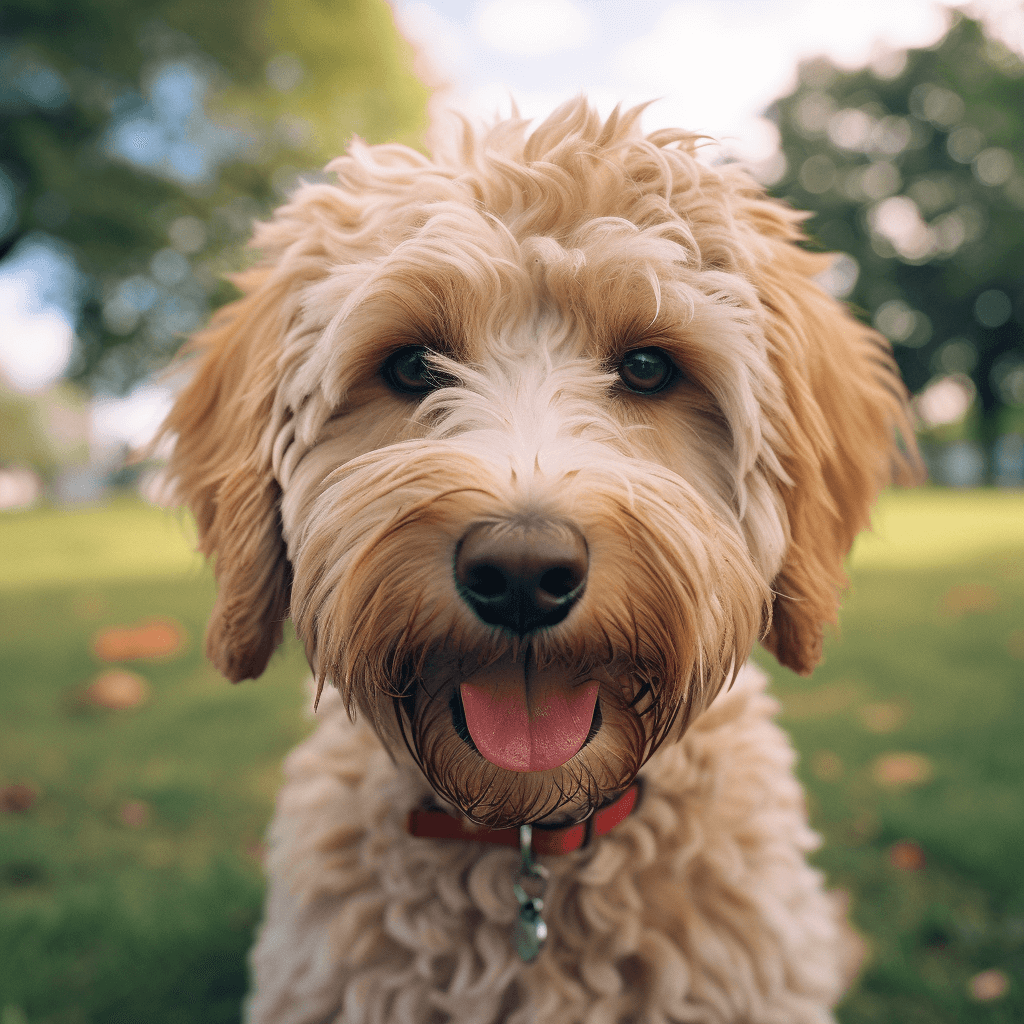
{"x": 700, "y": 907}
{"x": 715, "y": 514}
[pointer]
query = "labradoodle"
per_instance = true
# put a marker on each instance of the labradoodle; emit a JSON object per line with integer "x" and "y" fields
{"x": 533, "y": 442}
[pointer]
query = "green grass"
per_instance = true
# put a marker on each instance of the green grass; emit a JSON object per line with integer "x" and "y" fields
{"x": 103, "y": 921}
{"x": 956, "y": 674}
{"x": 114, "y": 543}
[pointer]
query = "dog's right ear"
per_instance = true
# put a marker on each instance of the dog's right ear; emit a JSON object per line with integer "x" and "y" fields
{"x": 219, "y": 468}
{"x": 847, "y": 432}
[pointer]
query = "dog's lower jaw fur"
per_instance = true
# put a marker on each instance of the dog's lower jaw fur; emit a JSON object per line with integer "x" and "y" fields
{"x": 698, "y": 907}
{"x": 580, "y": 366}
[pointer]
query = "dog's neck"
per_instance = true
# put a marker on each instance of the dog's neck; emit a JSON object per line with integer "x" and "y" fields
{"x": 432, "y": 822}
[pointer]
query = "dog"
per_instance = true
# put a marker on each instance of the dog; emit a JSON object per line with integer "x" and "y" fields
{"x": 534, "y": 441}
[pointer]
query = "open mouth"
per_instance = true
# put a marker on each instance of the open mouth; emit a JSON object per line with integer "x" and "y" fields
{"x": 525, "y": 722}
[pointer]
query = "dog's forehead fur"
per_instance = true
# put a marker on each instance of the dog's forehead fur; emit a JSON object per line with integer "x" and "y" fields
{"x": 594, "y": 222}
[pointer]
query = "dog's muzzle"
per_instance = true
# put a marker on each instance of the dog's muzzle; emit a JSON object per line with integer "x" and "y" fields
{"x": 524, "y": 573}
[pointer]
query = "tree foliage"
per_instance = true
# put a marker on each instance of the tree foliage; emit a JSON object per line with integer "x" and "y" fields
{"x": 914, "y": 169}
{"x": 143, "y": 136}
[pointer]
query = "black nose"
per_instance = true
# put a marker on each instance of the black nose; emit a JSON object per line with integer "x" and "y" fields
{"x": 521, "y": 574}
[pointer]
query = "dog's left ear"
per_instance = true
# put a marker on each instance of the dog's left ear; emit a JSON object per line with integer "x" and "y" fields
{"x": 220, "y": 469}
{"x": 846, "y": 432}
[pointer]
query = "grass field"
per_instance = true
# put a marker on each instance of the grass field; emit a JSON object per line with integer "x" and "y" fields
{"x": 130, "y": 883}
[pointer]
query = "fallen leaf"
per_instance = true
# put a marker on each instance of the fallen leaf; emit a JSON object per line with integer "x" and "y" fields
{"x": 970, "y": 597}
{"x": 134, "y": 813}
{"x": 17, "y": 797}
{"x": 901, "y": 769}
{"x": 882, "y": 718}
{"x": 826, "y": 765}
{"x": 117, "y": 688}
{"x": 150, "y": 638}
{"x": 988, "y": 985}
{"x": 906, "y": 856}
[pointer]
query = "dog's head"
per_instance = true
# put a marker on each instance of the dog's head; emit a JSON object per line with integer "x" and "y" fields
{"x": 533, "y": 445}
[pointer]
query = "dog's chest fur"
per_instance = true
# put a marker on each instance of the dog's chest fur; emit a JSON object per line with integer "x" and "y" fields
{"x": 705, "y": 883}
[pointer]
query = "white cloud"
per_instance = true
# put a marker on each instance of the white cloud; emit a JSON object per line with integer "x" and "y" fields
{"x": 532, "y": 27}
{"x": 131, "y": 420}
{"x": 851, "y": 32}
{"x": 705, "y": 85}
{"x": 945, "y": 400}
{"x": 712, "y": 66}
{"x": 442, "y": 45}
{"x": 35, "y": 340}
{"x": 1004, "y": 20}
{"x": 718, "y": 65}
{"x": 494, "y": 99}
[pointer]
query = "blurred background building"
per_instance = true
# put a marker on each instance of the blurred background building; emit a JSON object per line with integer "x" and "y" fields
{"x": 138, "y": 143}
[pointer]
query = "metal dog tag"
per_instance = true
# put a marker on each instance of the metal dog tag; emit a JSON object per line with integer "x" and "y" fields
{"x": 530, "y": 929}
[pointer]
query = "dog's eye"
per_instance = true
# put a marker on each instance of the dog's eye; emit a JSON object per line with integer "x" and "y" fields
{"x": 647, "y": 370}
{"x": 409, "y": 371}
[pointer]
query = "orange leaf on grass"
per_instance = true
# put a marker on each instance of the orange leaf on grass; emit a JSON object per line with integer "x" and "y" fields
{"x": 117, "y": 688}
{"x": 17, "y": 797}
{"x": 970, "y": 597}
{"x": 150, "y": 638}
{"x": 134, "y": 813}
{"x": 988, "y": 985}
{"x": 901, "y": 769}
{"x": 882, "y": 718}
{"x": 906, "y": 856}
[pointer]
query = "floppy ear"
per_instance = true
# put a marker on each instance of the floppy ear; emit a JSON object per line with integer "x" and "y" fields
{"x": 846, "y": 429}
{"x": 219, "y": 468}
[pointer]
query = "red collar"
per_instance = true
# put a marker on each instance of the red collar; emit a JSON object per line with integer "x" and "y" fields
{"x": 435, "y": 824}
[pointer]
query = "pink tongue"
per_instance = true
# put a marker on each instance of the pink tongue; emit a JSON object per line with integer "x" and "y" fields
{"x": 527, "y": 728}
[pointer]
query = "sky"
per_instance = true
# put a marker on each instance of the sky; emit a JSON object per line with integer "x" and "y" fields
{"x": 711, "y": 66}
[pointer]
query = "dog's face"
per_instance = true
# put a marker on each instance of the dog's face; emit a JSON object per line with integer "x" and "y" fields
{"x": 533, "y": 446}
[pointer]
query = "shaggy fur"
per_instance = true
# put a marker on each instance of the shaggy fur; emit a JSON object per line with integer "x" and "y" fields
{"x": 715, "y": 513}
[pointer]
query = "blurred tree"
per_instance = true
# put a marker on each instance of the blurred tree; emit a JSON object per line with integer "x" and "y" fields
{"x": 142, "y": 137}
{"x": 913, "y": 168}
